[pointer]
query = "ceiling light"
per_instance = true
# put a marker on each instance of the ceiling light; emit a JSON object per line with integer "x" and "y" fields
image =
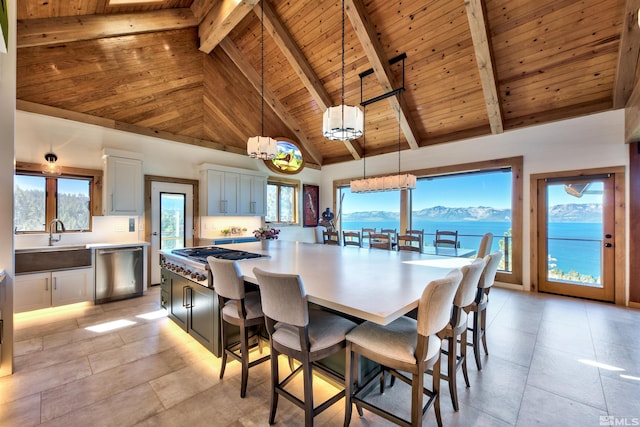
{"x": 262, "y": 147}
{"x": 342, "y": 122}
{"x": 50, "y": 167}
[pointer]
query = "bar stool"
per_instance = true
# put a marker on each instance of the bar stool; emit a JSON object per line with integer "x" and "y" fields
{"x": 406, "y": 345}
{"x": 485, "y": 245}
{"x": 457, "y": 327}
{"x": 479, "y": 306}
{"x": 299, "y": 332}
{"x": 240, "y": 309}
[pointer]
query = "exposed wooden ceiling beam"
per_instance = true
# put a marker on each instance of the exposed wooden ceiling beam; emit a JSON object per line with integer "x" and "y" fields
{"x": 368, "y": 37}
{"x": 484, "y": 59}
{"x": 254, "y": 78}
{"x": 220, "y": 20}
{"x": 43, "y": 32}
{"x": 628, "y": 54}
{"x": 300, "y": 65}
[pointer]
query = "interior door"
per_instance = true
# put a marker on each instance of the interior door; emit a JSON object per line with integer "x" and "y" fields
{"x": 171, "y": 220}
{"x": 576, "y": 236}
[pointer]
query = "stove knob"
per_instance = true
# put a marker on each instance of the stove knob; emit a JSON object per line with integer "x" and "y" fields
{"x": 202, "y": 277}
{"x": 193, "y": 274}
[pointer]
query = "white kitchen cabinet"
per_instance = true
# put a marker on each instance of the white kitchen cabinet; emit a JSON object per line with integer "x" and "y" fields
{"x": 253, "y": 195}
{"x": 123, "y": 186}
{"x": 51, "y": 289}
{"x": 219, "y": 195}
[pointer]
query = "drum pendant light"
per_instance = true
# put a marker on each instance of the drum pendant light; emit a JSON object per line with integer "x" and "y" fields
{"x": 342, "y": 122}
{"x": 262, "y": 147}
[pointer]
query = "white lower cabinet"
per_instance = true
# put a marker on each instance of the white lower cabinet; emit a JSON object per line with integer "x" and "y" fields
{"x": 51, "y": 289}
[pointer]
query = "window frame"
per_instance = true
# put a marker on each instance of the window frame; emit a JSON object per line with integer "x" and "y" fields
{"x": 95, "y": 190}
{"x": 514, "y": 163}
{"x": 282, "y": 182}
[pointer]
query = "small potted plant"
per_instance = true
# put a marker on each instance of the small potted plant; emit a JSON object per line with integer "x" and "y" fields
{"x": 266, "y": 234}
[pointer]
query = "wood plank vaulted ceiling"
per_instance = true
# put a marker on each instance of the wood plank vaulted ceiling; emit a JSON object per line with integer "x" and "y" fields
{"x": 189, "y": 71}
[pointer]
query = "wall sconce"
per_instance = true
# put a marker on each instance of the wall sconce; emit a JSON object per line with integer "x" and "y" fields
{"x": 50, "y": 167}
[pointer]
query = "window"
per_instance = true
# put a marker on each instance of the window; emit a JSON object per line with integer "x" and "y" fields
{"x": 471, "y": 203}
{"x": 472, "y": 198}
{"x": 39, "y": 199}
{"x": 282, "y": 202}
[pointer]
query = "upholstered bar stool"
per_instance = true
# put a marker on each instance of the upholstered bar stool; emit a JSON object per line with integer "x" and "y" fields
{"x": 302, "y": 333}
{"x": 479, "y": 306}
{"x": 236, "y": 308}
{"x": 485, "y": 245}
{"x": 406, "y": 345}
{"x": 457, "y": 327}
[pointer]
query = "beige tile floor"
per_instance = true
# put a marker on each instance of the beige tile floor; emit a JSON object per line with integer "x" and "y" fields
{"x": 540, "y": 371}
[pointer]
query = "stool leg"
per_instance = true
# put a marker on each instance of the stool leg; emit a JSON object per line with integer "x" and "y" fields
{"x": 348, "y": 385}
{"x": 476, "y": 339}
{"x": 308, "y": 393}
{"x": 275, "y": 382}
{"x": 451, "y": 371}
{"x": 244, "y": 350}
{"x": 463, "y": 355}
{"x": 483, "y": 318}
{"x": 436, "y": 391}
{"x": 224, "y": 348}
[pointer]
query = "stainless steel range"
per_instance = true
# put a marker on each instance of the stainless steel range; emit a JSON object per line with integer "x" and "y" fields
{"x": 191, "y": 263}
{"x": 187, "y": 292}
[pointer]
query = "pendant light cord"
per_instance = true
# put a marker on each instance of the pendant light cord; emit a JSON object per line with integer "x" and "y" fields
{"x": 342, "y": 97}
{"x": 364, "y": 143}
{"x": 399, "y": 118}
{"x": 262, "y": 67}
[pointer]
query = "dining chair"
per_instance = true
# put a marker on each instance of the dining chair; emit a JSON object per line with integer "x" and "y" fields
{"x": 479, "y": 306}
{"x": 409, "y": 242}
{"x": 331, "y": 238}
{"x": 380, "y": 241}
{"x": 392, "y": 232}
{"x": 366, "y": 233}
{"x": 351, "y": 238}
{"x": 405, "y": 345}
{"x": 446, "y": 239}
{"x": 416, "y": 232}
{"x": 485, "y": 245}
{"x": 302, "y": 333}
{"x": 456, "y": 330}
{"x": 238, "y": 308}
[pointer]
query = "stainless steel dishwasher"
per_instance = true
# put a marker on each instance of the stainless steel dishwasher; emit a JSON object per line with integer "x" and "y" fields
{"x": 118, "y": 273}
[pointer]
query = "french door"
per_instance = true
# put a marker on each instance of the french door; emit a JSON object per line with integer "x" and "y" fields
{"x": 576, "y": 236}
{"x": 171, "y": 220}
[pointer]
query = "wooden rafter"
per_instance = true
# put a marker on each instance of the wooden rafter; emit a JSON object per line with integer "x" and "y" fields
{"x": 300, "y": 65}
{"x": 220, "y": 20}
{"x": 632, "y": 116}
{"x": 368, "y": 37}
{"x": 43, "y": 32}
{"x": 628, "y": 55}
{"x": 484, "y": 59}
{"x": 254, "y": 78}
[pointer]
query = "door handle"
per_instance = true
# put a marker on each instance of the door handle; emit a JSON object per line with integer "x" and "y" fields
{"x": 55, "y": 283}
{"x": 608, "y": 245}
{"x": 189, "y": 297}
{"x": 607, "y": 236}
{"x": 184, "y": 296}
{"x": 155, "y": 233}
{"x": 46, "y": 284}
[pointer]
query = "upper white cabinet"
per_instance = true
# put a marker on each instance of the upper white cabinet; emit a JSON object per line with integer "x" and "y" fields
{"x": 228, "y": 191}
{"x": 123, "y": 186}
{"x": 253, "y": 195}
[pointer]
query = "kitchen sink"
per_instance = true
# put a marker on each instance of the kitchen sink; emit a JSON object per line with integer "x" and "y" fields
{"x": 50, "y": 258}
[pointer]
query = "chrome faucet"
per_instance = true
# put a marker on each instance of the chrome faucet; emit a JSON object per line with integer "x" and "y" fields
{"x": 52, "y": 224}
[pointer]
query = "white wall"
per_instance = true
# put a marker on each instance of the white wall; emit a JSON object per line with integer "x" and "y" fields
{"x": 80, "y": 145}
{"x": 587, "y": 142}
{"x": 7, "y": 132}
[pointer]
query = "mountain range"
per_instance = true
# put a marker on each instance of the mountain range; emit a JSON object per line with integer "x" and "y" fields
{"x": 590, "y": 212}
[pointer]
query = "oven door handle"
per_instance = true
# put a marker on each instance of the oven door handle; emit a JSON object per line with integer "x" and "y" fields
{"x": 187, "y": 297}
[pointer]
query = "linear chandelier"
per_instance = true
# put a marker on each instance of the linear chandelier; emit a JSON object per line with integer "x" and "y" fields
{"x": 262, "y": 147}
{"x": 342, "y": 122}
{"x": 401, "y": 181}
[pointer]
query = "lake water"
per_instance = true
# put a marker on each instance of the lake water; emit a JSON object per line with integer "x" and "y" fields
{"x": 582, "y": 256}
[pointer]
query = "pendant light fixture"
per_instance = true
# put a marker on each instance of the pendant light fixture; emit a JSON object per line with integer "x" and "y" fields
{"x": 50, "y": 167}
{"x": 342, "y": 122}
{"x": 391, "y": 182}
{"x": 262, "y": 147}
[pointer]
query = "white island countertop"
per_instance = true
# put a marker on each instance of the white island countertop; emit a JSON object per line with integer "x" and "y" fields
{"x": 371, "y": 284}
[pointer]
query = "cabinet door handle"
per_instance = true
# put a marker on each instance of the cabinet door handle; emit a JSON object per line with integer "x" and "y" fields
{"x": 55, "y": 283}
{"x": 184, "y": 296}
{"x": 188, "y": 297}
{"x": 46, "y": 284}
{"x": 252, "y": 208}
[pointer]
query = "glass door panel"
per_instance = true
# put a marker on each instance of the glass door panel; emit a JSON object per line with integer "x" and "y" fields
{"x": 576, "y": 241}
{"x": 172, "y": 220}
